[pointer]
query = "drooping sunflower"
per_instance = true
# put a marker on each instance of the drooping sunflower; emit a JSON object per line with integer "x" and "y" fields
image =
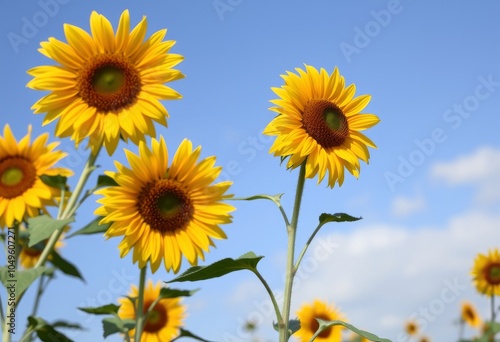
{"x": 106, "y": 86}
{"x": 307, "y": 315}
{"x": 165, "y": 211}
{"x": 411, "y": 328}
{"x": 469, "y": 315}
{"x": 22, "y": 192}
{"x": 486, "y": 273}
{"x": 165, "y": 320}
{"x": 319, "y": 121}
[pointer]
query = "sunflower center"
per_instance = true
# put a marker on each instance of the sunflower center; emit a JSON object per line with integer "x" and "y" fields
{"x": 469, "y": 314}
{"x": 165, "y": 205}
{"x": 109, "y": 82}
{"x": 157, "y": 319}
{"x": 16, "y": 176}
{"x": 492, "y": 273}
{"x": 315, "y": 325}
{"x": 325, "y": 123}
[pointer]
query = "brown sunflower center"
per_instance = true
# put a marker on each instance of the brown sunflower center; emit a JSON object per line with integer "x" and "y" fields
{"x": 157, "y": 319}
{"x": 315, "y": 325}
{"x": 16, "y": 176}
{"x": 469, "y": 314}
{"x": 165, "y": 206}
{"x": 492, "y": 273}
{"x": 325, "y": 123}
{"x": 109, "y": 82}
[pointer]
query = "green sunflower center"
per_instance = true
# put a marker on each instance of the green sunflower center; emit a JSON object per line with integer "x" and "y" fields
{"x": 325, "y": 123}
{"x": 16, "y": 176}
{"x": 109, "y": 83}
{"x": 315, "y": 325}
{"x": 492, "y": 273}
{"x": 158, "y": 318}
{"x": 165, "y": 205}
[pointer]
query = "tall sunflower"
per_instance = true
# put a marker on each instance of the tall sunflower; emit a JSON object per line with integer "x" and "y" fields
{"x": 307, "y": 315}
{"x": 165, "y": 320}
{"x": 319, "y": 121}
{"x": 486, "y": 273}
{"x": 22, "y": 192}
{"x": 106, "y": 86}
{"x": 165, "y": 211}
{"x": 469, "y": 315}
{"x": 411, "y": 328}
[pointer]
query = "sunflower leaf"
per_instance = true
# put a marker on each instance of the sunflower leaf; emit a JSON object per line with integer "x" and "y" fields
{"x": 113, "y": 325}
{"x": 22, "y": 279}
{"x": 276, "y": 198}
{"x": 92, "y": 228}
{"x": 107, "y": 309}
{"x": 247, "y": 261}
{"x": 166, "y": 292}
{"x": 337, "y": 217}
{"x": 327, "y": 324}
{"x": 46, "y": 332}
{"x": 65, "y": 266}
{"x": 186, "y": 333}
{"x": 41, "y": 227}
{"x": 57, "y": 181}
{"x": 104, "y": 180}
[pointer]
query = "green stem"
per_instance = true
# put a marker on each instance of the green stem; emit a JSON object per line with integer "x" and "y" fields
{"x": 493, "y": 313}
{"x": 11, "y": 304}
{"x": 70, "y": 207}
{"x": 139, "y": 311}
{"x": 299, "y": 259}
{"x": 271, "y": 295}
{"x": 290, "y": 273}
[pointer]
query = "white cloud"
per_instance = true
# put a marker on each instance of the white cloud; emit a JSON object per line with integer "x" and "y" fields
{"x": 404, "y": 206}
{"x": 481, "y": 168}
{"x": 381, "y": 275}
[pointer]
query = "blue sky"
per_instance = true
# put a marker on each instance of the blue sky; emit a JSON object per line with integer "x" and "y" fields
{"x": 429, "y": 197}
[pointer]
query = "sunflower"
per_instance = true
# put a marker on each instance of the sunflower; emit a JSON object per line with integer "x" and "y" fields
{"x": 486, "y": 273}
{"x": 411, "y": 328}
{"x": 318, "y": 122}
{"x": 106, "y": 86}
{"x": 29, "y": 255}
{"x": 307, "y": 315}
{"x": 165, "y": 320}
{"x": 469, "y": 315}
{"x": 22, "y": 192}
{"x": 162, "y": 211}
{"x": 424, "y": 339}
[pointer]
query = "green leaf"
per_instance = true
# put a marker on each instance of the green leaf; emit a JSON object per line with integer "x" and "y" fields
{"x": 68, "y": 325}
{"x": 327, "y": 324}
{"x": 338, "y": 217}
{"x": 107, "y": 309}
{"x": 58, "y": 181}
{"x": 275, "y": 198}
{"x": 113, "y": 325}
{"x": 92, "y": 228}
{"x": 167, "y": 292}
{"x": 186, "y": 333}
{"x": 247, "y": 261}
{"x": 41, "y": 227}
{"x": 293, "y": 326}
{"x": 20, "y": 279}
{"x": 65, "y": 266}
{"x": 45, "y": 331}
{"x": 104, "y": 180}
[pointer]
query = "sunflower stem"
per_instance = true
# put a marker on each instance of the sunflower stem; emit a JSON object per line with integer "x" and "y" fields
{"x": 306, "y": 246}
{"x": 11, "y": 304}
{"x": 271, "y": 295}
{"x": 290, "y": 273}
{"x": 70, "y": 207}
{"x": 493, "y": 313}
{"x": 139, "y": 311}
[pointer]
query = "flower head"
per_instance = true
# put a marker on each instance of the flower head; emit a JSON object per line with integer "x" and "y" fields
{"x": 469, "y": 315}
{"x": 411, "y": 328}
{"x": 166, "y": 317}
{"x": 22, "y": 164}
{"x": 106, "y": 86}
{"x": 165, "y": 211}
{"x": 307, "y": 315}
{"x": 319, "y": 123}
{"x": 29, "y": 255}
{"x": 486, "y": 273}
